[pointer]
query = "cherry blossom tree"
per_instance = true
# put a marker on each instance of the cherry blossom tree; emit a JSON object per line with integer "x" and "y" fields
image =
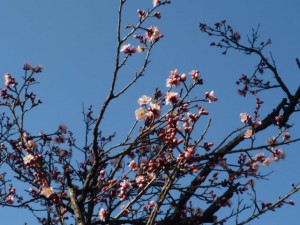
{"x": 165, "y": 170}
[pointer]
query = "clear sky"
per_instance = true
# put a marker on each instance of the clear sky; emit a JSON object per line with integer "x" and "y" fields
{"x": 75, "y": 41}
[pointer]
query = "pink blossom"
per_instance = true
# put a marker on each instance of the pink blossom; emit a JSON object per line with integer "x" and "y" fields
{"x": 210, "y": 96}
{"x": 156, "y": 3}
{"x": 286, "y": 137}
{"x": 133, "y": 166}
{"x": 7, "y": 79}
{"x": 153, "y": 34}
{"x": 151, "y": 204}
{"x": 125, "y": 184}
{"x": 144, "y": 100}
{"x": 127, "y": 49}
{"x": 171, "y": 98}
{"x": 27, "y": 158}
{"x": 278, "y": 154}
{"x": 244, "y": 117}
{"x": 195, "y": 75}
{"x": 255, "y": 166}
{"x": 47, "y": 191}
{"x": 267, "y": 162}
{"x": 155, "y": 109}
{"x": 183, "y": 77}
{"x": 140, "y": 48}
{"x": 141, "y": 114}
{"x": 248, "y": 133}
{"x": 140, "y": 180}
{"x": 272, "y": 141}
{"x": 102, "y": 214}
{"x": 10, "y": 199}
{"x": 259, "y": 157}
{"x": 173, "y": 79}
{"x": 32, "y": 144}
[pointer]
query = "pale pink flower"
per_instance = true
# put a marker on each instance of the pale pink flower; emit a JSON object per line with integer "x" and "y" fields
{"x": 32, "y": 144}
{"x": 133, "y": 166}
{"x": 156, "y": 2}
{"x": 286, "y": 137}
{"x": 102, "y": 214}
{"x": 259, "y": 157}
{"x": 195, "y": 75}
{"x": 210, "y": 96}
{"x": 47, "y": 191}
{"x": 271, "y": 142}
{"x": 278, "y": 154}
{"x": 7, "y": 78}
{"x": 125, "y": 184}
{"x": 140, "y": 48}
{"x": 188, "y": 155}
{"x": 183, "y": 77}
{"x": 140, "y": 180}
{"x": 267, "y": 162}
{"x": 127, "y": 49}
{"x": 144, "y": 100}
{"x": 153, "y": 34}
{"x": 151, "y": 204}
{"x": 244, "y": 117}
{"x": 141, "y": 114}
{"x": 248, "y": 133}
{"x": 155, "y": 109}
{"x": 255, "y": 166}
{"x": 10, "y": 199}
{"x": 27, "y": 158}
{"x": 171, "y": 98}
{"x": 174, "y": 73}
{"x": 174, "y": 79}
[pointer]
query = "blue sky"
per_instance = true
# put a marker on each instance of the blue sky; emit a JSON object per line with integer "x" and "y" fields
{"x": 75, "y": 41}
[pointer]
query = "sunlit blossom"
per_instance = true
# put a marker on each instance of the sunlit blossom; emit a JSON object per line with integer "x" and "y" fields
{"x": 286, "y": 137}
{"x": 243, "y": 117}
{"x": 7, "y": 78}
{"x": 153, "y": 34}
{"x": 27, "y": 158}
{"x": 10, "y": 199}
{"x": 255, "y": 166}
{"x": 155, "y": 109}
{"x": 140, "y": 48}
{"x": 102, "y": 214}
{"x": 125, "y": 184}
{"x": 278, "y": 154}
{"x": 171, "y": 98}
{"x": 151, "y": 204}
{"x": 195, "y": 75}
{"x": 210, "y": 96}
{"x": 267, "y": 162}
{"x": 127, "y": 49}
{"x": 248, "y": 133}
{"x": 47, "y": 191}
{"x": 156, "y": 2}
{"x": 141, "y": 114}
{"x": 144, "y": 100}
{"x": 32, "y": 144}
{"x": 133, "y": 166}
